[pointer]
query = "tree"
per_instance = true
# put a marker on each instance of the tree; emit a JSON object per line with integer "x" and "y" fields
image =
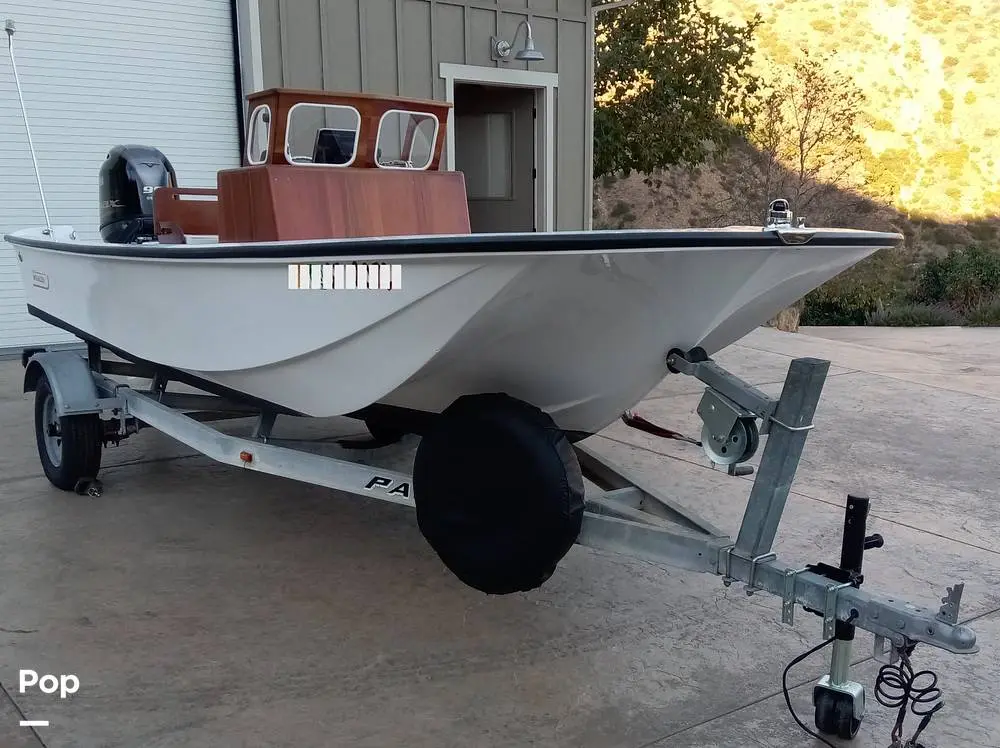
{"x": 806, "y": 145}
{"x": 888, "y": 173}
{"x": 672, "y": 85}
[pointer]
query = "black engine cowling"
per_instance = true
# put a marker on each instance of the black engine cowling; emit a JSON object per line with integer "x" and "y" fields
{"x": 129, "y": 175}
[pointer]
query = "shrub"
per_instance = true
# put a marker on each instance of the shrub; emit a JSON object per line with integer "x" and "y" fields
{"x": 620, "y": 208}
{"x": 829, "y": 306}
{"x": 983, "y": 232}
{"x": 950, "y": 235}
{"x": 913, "y": 315}
{"x": 964, "y": 279}
{"x": 985, "y": 314}
{"x": 856, "y": 293}
{"x": 620, "y": 216}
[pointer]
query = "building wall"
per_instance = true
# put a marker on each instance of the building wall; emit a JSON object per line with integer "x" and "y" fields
{"x": 90, "y": 84}
{"x": 396, "y": 47}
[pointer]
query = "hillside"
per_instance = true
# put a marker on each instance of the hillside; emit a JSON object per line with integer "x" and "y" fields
{"x": 923, "y": 159}
{"x": 927, "y": 69}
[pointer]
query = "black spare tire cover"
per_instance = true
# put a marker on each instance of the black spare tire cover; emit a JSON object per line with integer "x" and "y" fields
{"x": 499, "y": 493}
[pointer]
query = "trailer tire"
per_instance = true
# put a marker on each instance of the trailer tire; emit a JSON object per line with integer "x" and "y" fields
{"x": 499, "y": 493}
{"x": 835, "y": 713}
{"x": 76, "y": 454}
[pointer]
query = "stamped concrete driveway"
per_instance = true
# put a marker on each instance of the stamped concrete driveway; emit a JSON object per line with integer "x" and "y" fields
{"x": 203, "y": 606}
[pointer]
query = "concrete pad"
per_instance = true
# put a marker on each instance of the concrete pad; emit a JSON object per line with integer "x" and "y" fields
{"x": 12, "y": 735}
{"x": 956, "y": 374}
{"x": 968, "y": 717}
{"x": 200, "y": 605}
{"x": 971, "y": 345}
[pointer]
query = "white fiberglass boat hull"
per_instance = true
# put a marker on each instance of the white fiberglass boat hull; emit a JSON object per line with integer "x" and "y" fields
{"x": 577, "y": 324}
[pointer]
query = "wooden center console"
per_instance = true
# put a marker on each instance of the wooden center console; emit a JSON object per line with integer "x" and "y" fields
{"x": 323, "y": 165}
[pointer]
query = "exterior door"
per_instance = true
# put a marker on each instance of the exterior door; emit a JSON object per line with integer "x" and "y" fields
{"x": 495, "y": 149}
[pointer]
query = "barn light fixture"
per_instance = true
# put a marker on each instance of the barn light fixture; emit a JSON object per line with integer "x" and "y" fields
{"x": 500, "y": 48}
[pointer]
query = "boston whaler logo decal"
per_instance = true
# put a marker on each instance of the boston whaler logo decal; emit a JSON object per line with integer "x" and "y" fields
{"x": 39, "y": 280}
{"x": 350, "y": 276}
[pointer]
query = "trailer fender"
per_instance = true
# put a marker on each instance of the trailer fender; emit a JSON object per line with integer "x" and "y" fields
{"x": 70, "y": 379}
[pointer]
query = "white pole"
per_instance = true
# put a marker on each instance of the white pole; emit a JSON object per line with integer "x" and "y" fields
{"x": 9, "y": 28}
{"x": 611, "y": 6}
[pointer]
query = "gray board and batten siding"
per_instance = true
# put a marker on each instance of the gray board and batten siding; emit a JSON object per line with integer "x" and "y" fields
{"x": 396, "y": 47}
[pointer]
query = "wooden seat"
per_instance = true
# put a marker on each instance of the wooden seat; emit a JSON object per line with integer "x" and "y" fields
{"x": 175, "y": 214}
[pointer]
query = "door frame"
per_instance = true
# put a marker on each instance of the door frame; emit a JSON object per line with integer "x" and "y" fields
{"x": 250, "y": 48}
{"x": 544, "y": 85}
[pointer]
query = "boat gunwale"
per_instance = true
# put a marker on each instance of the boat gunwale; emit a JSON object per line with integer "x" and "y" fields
{"x": 466, "y": 245}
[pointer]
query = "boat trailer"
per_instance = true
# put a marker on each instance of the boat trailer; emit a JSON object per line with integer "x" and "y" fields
{"x": 80, "y": 408}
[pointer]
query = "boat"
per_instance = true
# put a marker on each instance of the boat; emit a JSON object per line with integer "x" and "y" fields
{"x": 341, "y": 277}
{"x": 239, "y": 288}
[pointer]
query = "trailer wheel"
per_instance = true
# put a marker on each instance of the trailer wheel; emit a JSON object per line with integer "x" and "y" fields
{"x": 499, "y": 493}
{"x": 69, "y": 447}
{"x": 835, "y": 713}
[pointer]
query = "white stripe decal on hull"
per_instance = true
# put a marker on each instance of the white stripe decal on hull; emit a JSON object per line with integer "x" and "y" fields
{"x": 345, "y": 277}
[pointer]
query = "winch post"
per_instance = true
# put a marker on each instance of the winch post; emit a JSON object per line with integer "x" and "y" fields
{"x": 789, "y": 426}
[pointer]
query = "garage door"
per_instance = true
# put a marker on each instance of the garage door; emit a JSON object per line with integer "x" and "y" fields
{"x": 94, "y": 74}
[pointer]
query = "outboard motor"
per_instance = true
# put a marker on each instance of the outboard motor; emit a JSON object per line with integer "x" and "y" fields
{"x": 129, "y": 175}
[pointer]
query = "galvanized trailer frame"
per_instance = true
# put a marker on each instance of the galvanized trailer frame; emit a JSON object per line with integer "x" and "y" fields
{"x": 623, "y": 516}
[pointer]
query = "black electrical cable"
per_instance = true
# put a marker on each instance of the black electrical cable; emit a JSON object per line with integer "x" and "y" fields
{"x": 896, "y": 688}
{"x": 788, "y": 700}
